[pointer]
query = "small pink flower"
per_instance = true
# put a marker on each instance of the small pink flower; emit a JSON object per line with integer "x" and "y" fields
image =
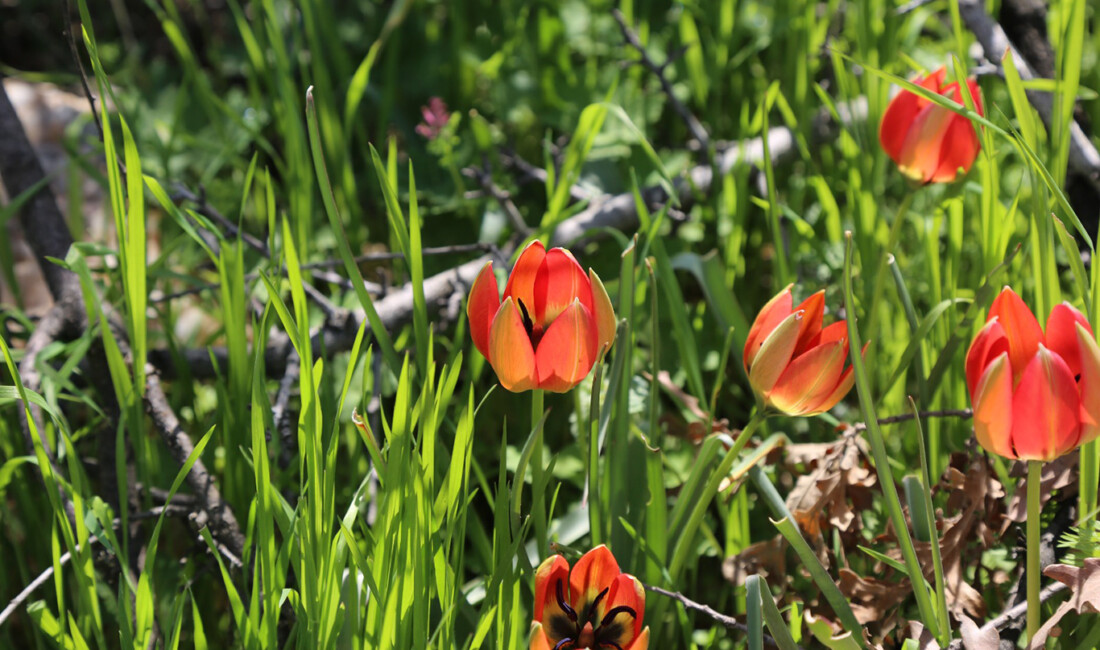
{"x": 436, "y": 117}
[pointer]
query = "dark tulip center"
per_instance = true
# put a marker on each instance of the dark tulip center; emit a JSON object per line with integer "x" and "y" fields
{"x": 574, "y": 631}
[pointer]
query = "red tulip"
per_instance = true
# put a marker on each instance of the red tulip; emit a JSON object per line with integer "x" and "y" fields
{"x": 794, "y": 365}
{"x": 928, "y": 142}
{"x": 593, "y": 606}
{"x": 551, "y": 326}
{"x": 1036, "y": 395}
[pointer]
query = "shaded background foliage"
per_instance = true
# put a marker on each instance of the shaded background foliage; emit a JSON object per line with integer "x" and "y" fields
{"x": 209, "y": 87}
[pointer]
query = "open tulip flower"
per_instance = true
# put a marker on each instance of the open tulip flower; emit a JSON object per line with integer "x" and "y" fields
{"x": 794, "y": 365}
{"x": 551, "y": 326}
{"x": 1036, "y": 395}
{"x": 591, "y": 607}
{"x": 928, "y": 142}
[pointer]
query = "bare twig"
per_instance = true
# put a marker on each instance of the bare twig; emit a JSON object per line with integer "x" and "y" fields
{"x": 963, "y": 414}
{"x": 222, "y": 523}
{"x": 485, "y": 179}
{"x": 32, "y": 586}
{"x": 728, "y": 621}
{"x": 539, "y": 175}
{"x": 693, "y": 124}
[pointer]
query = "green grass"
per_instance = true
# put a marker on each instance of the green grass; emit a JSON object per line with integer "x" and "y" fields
{"x": 411, "y": 500}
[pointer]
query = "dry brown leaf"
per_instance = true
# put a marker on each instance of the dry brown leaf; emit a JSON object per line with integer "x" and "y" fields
{"x": 976, "y": 498}
{"x": 839, "y": 478}
{"x": 1084, "y": 585}
{"x": 871, "y": 598}
{"x": 765, "y": 558}
{"x": 923, "y": 637}
{"x": 974, "y": 638}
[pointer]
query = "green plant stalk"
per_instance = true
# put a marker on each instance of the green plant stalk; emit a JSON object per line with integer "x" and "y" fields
{"x": 685, "y": 542}
{"x": 882, "y": 461}
{"x": 538, "y": 469}
{"x": 1034, "y": 574}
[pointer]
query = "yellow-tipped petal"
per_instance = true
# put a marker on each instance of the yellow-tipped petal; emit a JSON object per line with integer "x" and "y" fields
{"x": 510, "y": 351}
{"x": 1089, "y": 386}
{"x": 993, "y": 408}
{"x": 775, "y": 354}
{"x": 604, "y": 314}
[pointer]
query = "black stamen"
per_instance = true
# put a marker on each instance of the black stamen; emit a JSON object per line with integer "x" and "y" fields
{"x": 569, "y": 611}
{"x": 527, "y": 323}
{"x": 561, "y": 644}
{"x": 591, "y": 609}
{"x": 615, "y": 611}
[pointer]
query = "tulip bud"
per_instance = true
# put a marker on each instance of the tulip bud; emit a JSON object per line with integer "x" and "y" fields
{"x": 794, "y": 365}
{"x": 928, "y": 142}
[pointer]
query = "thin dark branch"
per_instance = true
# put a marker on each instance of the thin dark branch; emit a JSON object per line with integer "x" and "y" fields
{"x": 220, "y": 518}
{"x": 963, "y": 414}
{"x": 203, "y": 207}
{"x": 539, "y": 175}
{"x": 485, "y": 179}
{"x": 693, "y": 124}
{"x": 1020, "y": 609}
{"x": 728, "y": 621}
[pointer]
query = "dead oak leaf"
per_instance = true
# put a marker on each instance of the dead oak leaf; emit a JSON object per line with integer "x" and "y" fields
{"x": 839, "y": 478}
{"x": 1084, "y": 585}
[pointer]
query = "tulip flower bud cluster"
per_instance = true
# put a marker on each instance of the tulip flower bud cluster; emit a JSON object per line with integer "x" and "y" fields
{"x": 1036, "y": 394}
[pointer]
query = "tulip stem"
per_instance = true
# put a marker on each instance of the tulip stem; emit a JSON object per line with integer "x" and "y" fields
{"x": 1034, "y": 572}
{"x": 538, "y": 469}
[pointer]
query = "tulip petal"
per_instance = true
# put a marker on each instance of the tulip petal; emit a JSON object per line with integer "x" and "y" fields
{"x": 1089, "y": 384}
{"x": 774, "y": 355}
{"x": 567, "y": 351}
{"x": 593, "y": 573}
{"x": 989, "y": 344}
{"x": 560, "y": 281}
{"x": 843, "y": 386}
{"x": 813, "y": 310}
{"x": 482, "y": 307}
{"x": 642, "y": 642}
{"x": 959, "y": 149}
{"x": 604, "y": 313}
{"x": 539, "y": 641}
{"x": 521, "y": 281}
{"x": 510, "y": 351}
{"x": 552, "y": 569}
{"x": 1061, "y": 334}
{"x": 920, "y": 154}
{"x": 621, "y": 628}
{"x": 1045, "y": 408}
{"x": 901, "y": 112}
{"x": 778, "y": 308}
{"x": 835, "y": 332}
{"x": 1022, "y": 330}
{"x": 809, "y": 378}
{"x": 992, "y": 401}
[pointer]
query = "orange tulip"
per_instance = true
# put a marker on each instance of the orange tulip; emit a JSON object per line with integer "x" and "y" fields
{"x": 551, "y": 326}
{"x": 1036, "y": 395}
{"x": 928, "y": 142}
{"x": 794, "y": 365}
{"x": 593, "y": 606}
